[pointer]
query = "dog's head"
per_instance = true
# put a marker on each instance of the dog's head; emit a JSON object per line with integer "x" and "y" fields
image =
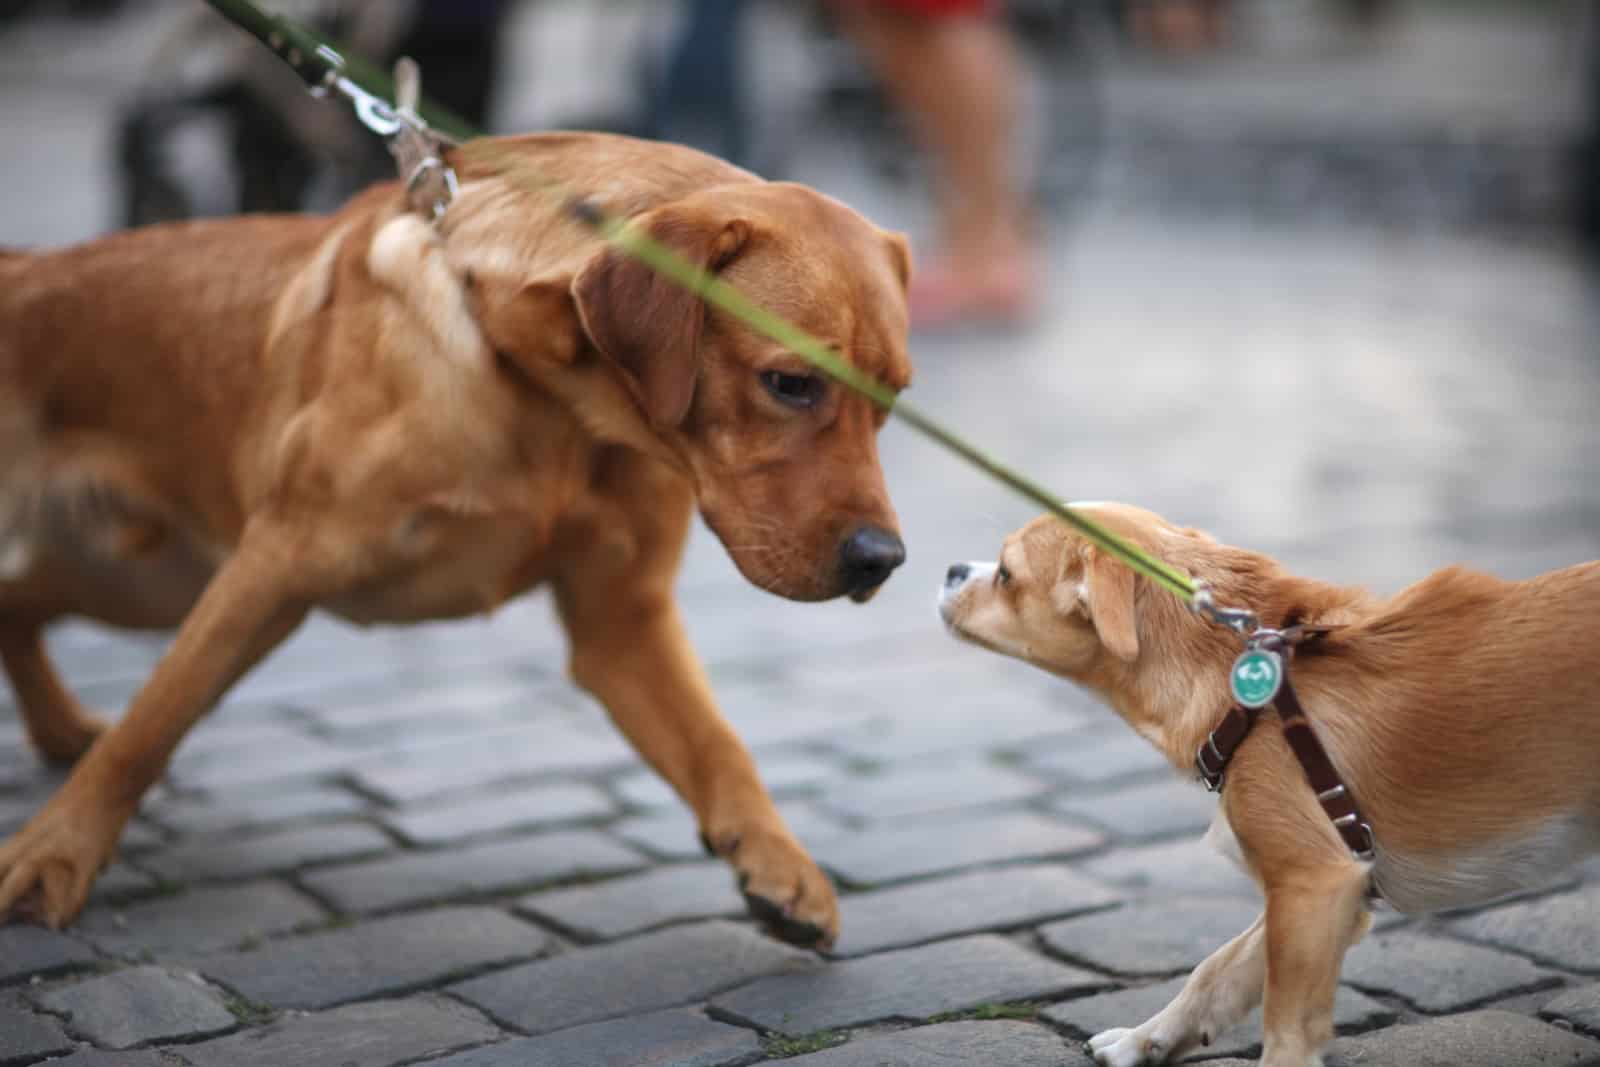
{"x": 1055, "y": 600}
{"x": 784, "y": 460}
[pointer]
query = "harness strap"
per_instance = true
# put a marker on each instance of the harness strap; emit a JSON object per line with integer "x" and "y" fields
{"x": 418, "y": 149}
{"x": 1332, "y": 794}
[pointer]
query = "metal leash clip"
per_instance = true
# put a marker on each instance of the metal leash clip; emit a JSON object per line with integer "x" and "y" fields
{"x": 1241, "y": 621}
{"x": 374, "y": 112}
{"x": 430, "y": 182}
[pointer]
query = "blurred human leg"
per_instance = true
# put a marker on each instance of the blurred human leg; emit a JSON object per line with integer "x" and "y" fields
{"x": 951, "y": 65}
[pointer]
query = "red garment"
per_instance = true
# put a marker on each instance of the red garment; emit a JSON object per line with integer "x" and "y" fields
{"x": 934, "y": 8}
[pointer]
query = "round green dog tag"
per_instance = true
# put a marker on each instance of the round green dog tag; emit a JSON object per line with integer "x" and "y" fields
{"x": 1255, "y": 678}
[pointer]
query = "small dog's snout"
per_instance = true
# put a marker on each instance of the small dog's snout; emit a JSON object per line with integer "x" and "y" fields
{"x": 956, "y": 574}
{"x": 868, "y": 557}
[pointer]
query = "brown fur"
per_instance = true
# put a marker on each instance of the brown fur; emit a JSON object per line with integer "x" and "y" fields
{"x": 219, "y": 426}
{"x": 1460, "y": 712}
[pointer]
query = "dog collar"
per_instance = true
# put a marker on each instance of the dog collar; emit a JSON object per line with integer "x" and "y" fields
{"x": 1260, "y": 679}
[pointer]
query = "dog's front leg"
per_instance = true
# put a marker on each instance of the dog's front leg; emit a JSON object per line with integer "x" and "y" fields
{"x": 629, "y": 649}
{"x": 1312, "y": 918}
{"x": 250, "y": 605}
{"x": 1220, "y": 992}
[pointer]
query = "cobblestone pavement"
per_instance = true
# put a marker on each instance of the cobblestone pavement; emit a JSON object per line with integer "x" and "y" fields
{"x": 424, "y": 846}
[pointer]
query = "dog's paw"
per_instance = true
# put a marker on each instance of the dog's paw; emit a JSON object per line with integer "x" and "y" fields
{"x": 46, "y": 870}
{"x": 782, "y": 885}
{"x": 1123, "y": 1048}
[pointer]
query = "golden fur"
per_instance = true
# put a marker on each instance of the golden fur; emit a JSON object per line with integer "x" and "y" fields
{"x": 1460, "y": 712}
{"x": 220, "y": 426}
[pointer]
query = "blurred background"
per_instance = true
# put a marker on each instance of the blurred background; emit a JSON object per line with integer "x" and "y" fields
{"x": 1314, "y": 274}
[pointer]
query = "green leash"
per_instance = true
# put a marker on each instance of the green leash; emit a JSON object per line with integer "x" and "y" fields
{"x": 324, "y": 68}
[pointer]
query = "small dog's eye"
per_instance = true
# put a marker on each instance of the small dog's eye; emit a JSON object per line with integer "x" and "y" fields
{"x": 795, "y": 390}
{"x": 1001, "y": 575}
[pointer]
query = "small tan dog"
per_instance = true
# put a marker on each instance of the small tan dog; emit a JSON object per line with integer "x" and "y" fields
{"x": 221, "y": 426}
{"x": 1461, "y": 713}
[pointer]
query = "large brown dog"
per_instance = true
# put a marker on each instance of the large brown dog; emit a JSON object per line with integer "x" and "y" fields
{"x": 1461, "y": 713}
{"x": 219, "y": 426}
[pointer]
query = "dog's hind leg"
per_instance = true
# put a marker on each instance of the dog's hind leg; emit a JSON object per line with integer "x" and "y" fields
{"x": 252, "y": 603}
{"x": 57, "y": 724}
{"x": 1220, "y": 992}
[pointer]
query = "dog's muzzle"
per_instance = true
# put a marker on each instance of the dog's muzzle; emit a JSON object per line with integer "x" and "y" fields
{"x": 956, "y": 579}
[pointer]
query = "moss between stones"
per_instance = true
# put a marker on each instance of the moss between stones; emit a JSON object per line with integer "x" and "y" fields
{"x": 780, "y": 1047}
{"x": 1022, "y": 1009}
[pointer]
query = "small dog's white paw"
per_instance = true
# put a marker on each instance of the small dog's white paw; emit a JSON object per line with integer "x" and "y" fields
{"x": 1120, "y": 1048}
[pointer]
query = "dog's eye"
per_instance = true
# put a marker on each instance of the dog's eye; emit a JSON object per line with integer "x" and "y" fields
{"x": 795, "y": 390}
{"x": 1001, "y": 575}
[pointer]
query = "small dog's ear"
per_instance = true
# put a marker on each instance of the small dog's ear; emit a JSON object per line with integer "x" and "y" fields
{"x": 1106, "y": 596}
{"x": 650, "y": 326}
{"x": 899, "y": 256}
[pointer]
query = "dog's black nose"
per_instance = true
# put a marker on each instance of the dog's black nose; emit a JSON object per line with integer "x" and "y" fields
{"x": 956, "y": 574}
{"x": 869, "y": 556}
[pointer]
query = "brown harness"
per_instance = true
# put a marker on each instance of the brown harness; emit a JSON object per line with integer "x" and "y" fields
{"x": 1213, "y": 757}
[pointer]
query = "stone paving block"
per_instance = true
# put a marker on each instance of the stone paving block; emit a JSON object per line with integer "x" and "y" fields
{"x": 26, "y": 1036}
{"x": 1100, "y": 757}
{"x": 503, "y": 810}
{"x": 1171, "y": 868}
{"x": 1152, "y": 937}
{"x": 229, "y": 740}
{"x": 1438, "y": 974}
{"x": 1002, "y": 1043}
{"x": 894, "y": 852}
{"x": 138, "y": 1005}
{"x": 913, "y": 984}
{"x": 425, "y": 770}
{"x": 988, "y": 725}
{"x": 288, "y": 762}
{"x": 633, "y": 903}
{"x": 381, "y": 957}
{"x": 235, "y": 857}
{"x": 1476, "y": 1039}
{"x": 121, "y": 881}
{"x": 139, "y": 836}
{"x": 27, "y": 950}
{"x": 376, "y": 1034}
{"x": 249, "y": 809}
{"x": 672, "y": 1038}
{"x": 1131, "y": 1007}
{"x": 964, "y": 904}
{"x": 1563, "y": 929}
{"x": 1165, "y": 807}
{"x": 675, "y": 966}
{"x": 481, "y": 700}
{"x": 30, "y": 782}
{"x": 498, "y": 866}
{"x": 928, "y": 791}
{"x": 200, "y": 920}
{"x": 1580, "y": 1007}
{"x": 673, "y": 834}
{"x": 123, "y": 1058}
{"x": 782, "y": 773}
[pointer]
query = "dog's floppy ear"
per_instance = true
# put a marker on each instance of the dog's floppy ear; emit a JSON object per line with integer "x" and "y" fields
{"x": 1105, "y": 595}
{"x": 648, "y": 325}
